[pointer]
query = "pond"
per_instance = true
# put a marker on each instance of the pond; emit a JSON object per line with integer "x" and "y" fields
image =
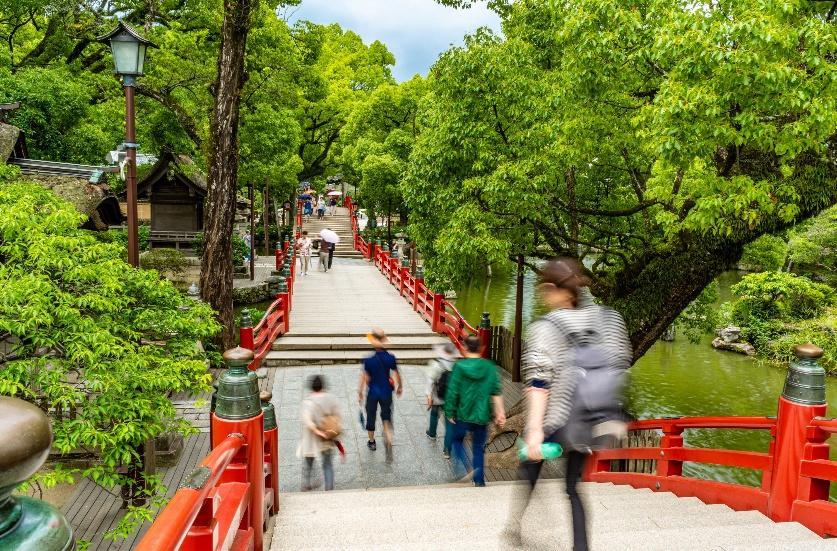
{"x": 672, "y": 378}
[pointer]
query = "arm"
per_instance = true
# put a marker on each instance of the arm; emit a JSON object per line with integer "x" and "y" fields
{"x": 497, "y": 399}
{"x": 397, "y": 378}
{"x": 538, "y": 369}
{"x": 431, "y": 380}
{"x": 364, "y": 381}
{"x": 308, "y": 421}
{"x": 452, "y": 396}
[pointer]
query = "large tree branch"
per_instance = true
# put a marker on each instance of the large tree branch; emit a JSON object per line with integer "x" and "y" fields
{"x": 187, "y": 122}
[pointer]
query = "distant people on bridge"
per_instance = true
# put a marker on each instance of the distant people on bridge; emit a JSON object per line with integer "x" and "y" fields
{"x": 378, "y": 380}
{"x": 333, "y": 205}
{"x": 474, "y": 395}
{"x": 438, "y": 376}
{"x": 321, "y": 208}
{"x": 331, "y": 246}
{"x": 321, "y": 425}
{"x": 574, "y": 366}
{"x": 307, "y": 209}
{"x": 322, "y": 249}
{"x": 304, "y": 245}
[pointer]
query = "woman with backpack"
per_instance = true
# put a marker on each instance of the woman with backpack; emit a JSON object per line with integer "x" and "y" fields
{"x": 321, "y": 425}
{"x": 438, "y": 373}
{"x": 574, "y": 366}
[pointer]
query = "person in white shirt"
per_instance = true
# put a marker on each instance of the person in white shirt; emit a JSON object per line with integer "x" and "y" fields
{"x": 304, "y": 253}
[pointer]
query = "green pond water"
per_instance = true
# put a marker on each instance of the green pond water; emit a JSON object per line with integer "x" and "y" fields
{"x": 672, "y": 378}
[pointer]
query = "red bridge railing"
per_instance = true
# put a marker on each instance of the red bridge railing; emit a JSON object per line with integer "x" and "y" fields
{"x": 442, "y": 316}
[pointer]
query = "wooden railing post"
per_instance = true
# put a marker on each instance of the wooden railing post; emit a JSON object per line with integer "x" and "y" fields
{"x": 672, "y": 438}
{"x": 245, "y": 332}
{"x": 438, "y": 312}
{"x": 419, "y": 282}
{"x": 803, "y": 398}
{"x": 278, "y": 253}
{"x": 484, "y": 333}
{"x": 238, "y": 411}
{"x": 271, "y": 449}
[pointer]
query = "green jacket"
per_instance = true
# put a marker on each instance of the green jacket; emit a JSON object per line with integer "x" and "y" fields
{"x": 471, "y": 385}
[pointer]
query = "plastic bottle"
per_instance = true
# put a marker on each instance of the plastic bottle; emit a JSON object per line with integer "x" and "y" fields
{"x": 549, "y": 450}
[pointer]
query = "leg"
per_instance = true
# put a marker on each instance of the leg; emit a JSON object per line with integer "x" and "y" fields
{"x": 434, "y": 421}
{"x": 459, "y": 462}
{"x": 306, "y": 471}
{"x": 330, "y": 256}
{"x": 371, "y": 413}
{"x": 328, "y": 470}
{"x": 448, "y": 436}
{"x": 478, "y": 436}
{"x": 386, "y": 419}
{"x": 575, "y": 466}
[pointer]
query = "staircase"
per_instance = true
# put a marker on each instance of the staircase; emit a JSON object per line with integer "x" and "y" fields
{"x": 326, "y": 349}
{"x": 341, "y": 225}
{"x": 468, "y": 518}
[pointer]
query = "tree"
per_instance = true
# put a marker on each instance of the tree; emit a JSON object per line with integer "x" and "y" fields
{"x": 222, "y": 184}
{"x": 813, "y": 248}
{"x": 649, "y": 139}
{"x": 84, "y": 332}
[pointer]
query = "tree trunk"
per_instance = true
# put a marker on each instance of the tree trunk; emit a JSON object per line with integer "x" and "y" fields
{"x": 216, "y": 263}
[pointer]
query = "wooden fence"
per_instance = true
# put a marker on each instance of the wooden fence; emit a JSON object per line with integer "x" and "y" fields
{"x": 502, "y": 347}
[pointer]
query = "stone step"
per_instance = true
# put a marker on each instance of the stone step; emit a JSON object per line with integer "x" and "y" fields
{"x": 449, "y": 517}
{"x": 282, "y": 358}
{"x": 319, "y": 342}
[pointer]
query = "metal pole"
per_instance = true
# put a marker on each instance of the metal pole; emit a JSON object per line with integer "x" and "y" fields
{"x": 252, "y": 233}
{"x": 518, "y": 320}
{"x": 131, "y": 179}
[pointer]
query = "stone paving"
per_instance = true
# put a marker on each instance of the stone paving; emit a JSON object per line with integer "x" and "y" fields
{"x": 417, "y": 459}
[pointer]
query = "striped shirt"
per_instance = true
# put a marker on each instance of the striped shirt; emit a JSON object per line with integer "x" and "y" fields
{"x": 548, "y": 352}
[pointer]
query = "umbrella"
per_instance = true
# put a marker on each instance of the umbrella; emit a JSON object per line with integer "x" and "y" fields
{"x": 329, "y": 236}
{"x": 335, "y": 192}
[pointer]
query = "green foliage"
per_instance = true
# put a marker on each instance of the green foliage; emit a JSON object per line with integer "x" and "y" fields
{"x": 767, "y": 253}
{"x": 121, "y": 237}
{"x": 813, "y": 249}
{"x": 779, "y": 296}
{"x": 92, "y": 334}
{"x": 701, "y": 316}
{"x": 240, "y": 250}
{"x": 167, "y": 262}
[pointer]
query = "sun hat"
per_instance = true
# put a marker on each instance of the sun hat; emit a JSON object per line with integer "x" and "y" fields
{"x": 445, "y": 351}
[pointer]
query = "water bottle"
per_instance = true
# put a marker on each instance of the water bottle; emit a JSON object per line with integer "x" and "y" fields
{"x": 549, "y": 450}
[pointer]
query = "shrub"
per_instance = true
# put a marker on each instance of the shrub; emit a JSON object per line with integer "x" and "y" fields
{"x": 167, "y": 262}
{"x": 240, "y": 249}
{"x": 767, "y": 253}
{"x": 778, "y": 296}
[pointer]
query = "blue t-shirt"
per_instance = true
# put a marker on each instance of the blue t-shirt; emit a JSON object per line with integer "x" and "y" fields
{"x": 378, "y": 366}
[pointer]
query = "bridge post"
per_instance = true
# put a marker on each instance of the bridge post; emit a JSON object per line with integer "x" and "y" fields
{"x": 245, "y": 332}
{"x": 286, "y": 302}
{"x": 672, "y": 438}
{"x": 484, "y": 333}
{"x": 438, "y": 312}
{"x": 418, "y": 282}
{"x": 405, "y": 277}
{"x": 278, "y": 254}
{"x": 271, "y": 448}
{"x": 803, "y": 398}
{"x": 394, "y": 268}
{"x": 27, "y": 523}
{"x": 239, "y": 410}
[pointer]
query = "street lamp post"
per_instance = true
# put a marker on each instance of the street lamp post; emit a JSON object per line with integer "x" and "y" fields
{"x": 128, "y": 49}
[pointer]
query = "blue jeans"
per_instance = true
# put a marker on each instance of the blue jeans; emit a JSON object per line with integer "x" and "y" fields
{"x": 435, "y": 412}
{"x": 460, "y": 462}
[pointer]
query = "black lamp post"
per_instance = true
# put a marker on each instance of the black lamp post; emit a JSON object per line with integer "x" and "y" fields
{"x": 128, "y": 49}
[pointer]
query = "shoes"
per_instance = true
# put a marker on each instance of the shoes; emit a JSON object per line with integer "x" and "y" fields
{"x": 479, "y": 484}
{"x": 512, "y": 537}
{"x": 467, "y": 478}
{"x": 389, "y": 451}
{"x": 372, "y": 445}
{"x": 446, "y": 455}
{"x": 430, "y": 436}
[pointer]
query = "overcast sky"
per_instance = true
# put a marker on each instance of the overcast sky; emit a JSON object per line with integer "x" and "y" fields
{"x": 415, "y": 31}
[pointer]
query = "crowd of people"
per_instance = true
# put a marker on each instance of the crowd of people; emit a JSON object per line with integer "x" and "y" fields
{"x": 574, "y": 365}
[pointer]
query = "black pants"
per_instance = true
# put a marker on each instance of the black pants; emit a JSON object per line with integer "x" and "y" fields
{"x": 575, "y": 466}
{"x": 330, "y": 254}
{"x": 372, "y": 403}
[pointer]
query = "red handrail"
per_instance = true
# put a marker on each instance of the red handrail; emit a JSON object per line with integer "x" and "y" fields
{"x": 174, "y": 522}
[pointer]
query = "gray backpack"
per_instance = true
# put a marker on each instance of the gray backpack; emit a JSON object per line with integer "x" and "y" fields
{"x": 599, "y": 386}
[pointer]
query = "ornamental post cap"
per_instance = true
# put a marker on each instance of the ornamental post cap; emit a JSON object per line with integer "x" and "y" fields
{"x": 26, "y": 438}
{"x": 265, "y": 395}
{"x": 808, "y": 350}
{"x": 238, "y": 356}
{"x": 122, "y": 31}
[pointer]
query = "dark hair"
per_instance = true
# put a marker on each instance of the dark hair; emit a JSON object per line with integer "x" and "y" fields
{"x": 317, "y": 383}
{"x": 304, "y": 232}
{"x": 565, "y": 273}
{"x": 473, "y": 344}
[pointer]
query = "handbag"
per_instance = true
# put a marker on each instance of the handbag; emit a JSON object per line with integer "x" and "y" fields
{"x": 330, "y": 425}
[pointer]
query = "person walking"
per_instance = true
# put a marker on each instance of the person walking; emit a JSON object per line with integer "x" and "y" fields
{"x": 574, "y": 364}
{"x": 473, "y": 391}
{"x": 321, "y": 208}
{"x": 333, "y": 204}
{"x": 331, "y": 247}
{"x": 321, "y": 424}
{"x": 307, "y": 209}
{"x": 438, "y": 375}
{"x": 304, "y": 253}
{"x": 378, "y": 379}
{"x": 323, "y": 254}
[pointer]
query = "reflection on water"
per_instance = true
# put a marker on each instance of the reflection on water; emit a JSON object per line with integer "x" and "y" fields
{"x": 673, "y": 379}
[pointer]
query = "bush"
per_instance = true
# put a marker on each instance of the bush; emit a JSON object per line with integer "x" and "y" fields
{"x": 767, "y": 253}
{"x": 778, "y": 296}
{"x": 167, "y": 262}
{"x": 240, "y": 249}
